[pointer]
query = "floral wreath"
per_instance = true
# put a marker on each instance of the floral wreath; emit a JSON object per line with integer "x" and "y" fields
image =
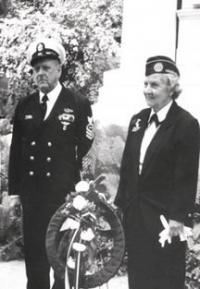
{"x": 86, "y": 224}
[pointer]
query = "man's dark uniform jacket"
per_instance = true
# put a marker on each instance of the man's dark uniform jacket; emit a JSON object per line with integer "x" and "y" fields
{"x": 45, "y": 160}
{"x": 167, "y": 185}
{"x": 46, "y": 156}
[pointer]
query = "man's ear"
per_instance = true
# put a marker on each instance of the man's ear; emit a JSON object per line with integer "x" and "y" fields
{"x": 59, "y": 67}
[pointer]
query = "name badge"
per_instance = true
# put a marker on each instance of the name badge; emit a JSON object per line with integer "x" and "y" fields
{"x": 28, "y": 116}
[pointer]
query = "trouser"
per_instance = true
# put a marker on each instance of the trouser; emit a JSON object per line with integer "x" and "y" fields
{"x": 35, "y": 222}
{"x": 149, "y": 265}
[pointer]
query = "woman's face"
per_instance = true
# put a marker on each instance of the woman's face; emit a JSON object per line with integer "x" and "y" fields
{"x": 157, "y": 91}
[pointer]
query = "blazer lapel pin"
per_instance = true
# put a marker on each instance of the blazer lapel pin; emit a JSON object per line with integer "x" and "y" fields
{"x": 136, "y": 125}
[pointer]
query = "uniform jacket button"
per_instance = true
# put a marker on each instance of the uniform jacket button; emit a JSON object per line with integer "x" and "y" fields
{"x": 31, "y": 173}
{"x": 189, "y": 215}
{"x": 48, "y": 159}
{"x": 32, "y": 158}
{"x": 49, "y": 144}
{"x": 33, "y": 143}
{"x": 48, "y": 174}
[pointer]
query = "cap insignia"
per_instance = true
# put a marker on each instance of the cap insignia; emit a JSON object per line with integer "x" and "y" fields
{"x": 158, "y": 67}
{"x": 40, "y": 47}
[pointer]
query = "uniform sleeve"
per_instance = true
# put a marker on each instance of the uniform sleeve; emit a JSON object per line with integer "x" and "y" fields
{"x": 186, "y": 172}
{"x": 15, "y": 158}
{"x": 85, "y": 129}
{"x": 120, "y": 196}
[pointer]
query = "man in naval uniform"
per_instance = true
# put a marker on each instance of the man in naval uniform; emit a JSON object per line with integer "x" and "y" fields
{"x": 159, "y": 177}
{"x": 52, "y": 132}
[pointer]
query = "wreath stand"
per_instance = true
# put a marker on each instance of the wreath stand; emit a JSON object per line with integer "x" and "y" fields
{"x": 85, "y": 241}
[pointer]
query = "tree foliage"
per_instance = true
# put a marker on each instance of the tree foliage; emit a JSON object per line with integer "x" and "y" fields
{"x": 89, "y": 30}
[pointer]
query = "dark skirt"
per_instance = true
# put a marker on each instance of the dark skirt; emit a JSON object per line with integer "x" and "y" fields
{"x": 149, "y": 265}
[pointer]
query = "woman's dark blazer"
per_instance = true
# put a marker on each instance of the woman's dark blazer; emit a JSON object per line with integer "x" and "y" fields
{"x": 168, "y": 181}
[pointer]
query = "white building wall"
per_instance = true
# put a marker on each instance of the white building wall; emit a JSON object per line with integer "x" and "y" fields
{"x": 148, "y": 29}
{"x": 188, "y": 59}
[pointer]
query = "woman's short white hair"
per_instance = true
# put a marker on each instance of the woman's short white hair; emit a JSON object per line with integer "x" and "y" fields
{"x": 173, "y": 80}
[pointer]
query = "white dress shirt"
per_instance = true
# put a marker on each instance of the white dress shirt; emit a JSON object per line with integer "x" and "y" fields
{"x": 52, "y": 97}
{"x": 151, "y": 131}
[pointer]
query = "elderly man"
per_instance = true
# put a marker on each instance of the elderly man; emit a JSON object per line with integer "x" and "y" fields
{"x": 159, "y": 177}
{"x": 51, "y": 134}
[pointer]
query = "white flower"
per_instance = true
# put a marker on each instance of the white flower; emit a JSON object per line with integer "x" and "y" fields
{"x": 79, "y": 247}
{"x": 71, "y": 263}
{"x": 82, "y": 186}
{"x": 69, "y": 224}
{"x": 87, "y": 235}
{"x": 74, "y": 42}
{"x": 79, "y": 203}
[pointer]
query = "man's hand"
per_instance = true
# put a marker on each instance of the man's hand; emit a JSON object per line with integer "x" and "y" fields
{"x": 175, "y": 228}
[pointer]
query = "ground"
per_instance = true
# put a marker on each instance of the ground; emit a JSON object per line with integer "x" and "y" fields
{"x": 12, "y": 276}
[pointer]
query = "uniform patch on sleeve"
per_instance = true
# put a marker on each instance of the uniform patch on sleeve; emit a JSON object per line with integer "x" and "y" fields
{"x": 90, "y": 128}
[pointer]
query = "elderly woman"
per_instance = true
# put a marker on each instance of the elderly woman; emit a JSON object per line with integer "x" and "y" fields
{"x": 158, "y": 177}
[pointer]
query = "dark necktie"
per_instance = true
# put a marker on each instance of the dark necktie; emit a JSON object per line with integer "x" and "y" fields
{"x": 154, "y": 118}
{"x": 43, "y": 105}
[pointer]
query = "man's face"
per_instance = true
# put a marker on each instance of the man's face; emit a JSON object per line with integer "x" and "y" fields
{"x": 46, "y": 74}
{"x": 157, "y": 91}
